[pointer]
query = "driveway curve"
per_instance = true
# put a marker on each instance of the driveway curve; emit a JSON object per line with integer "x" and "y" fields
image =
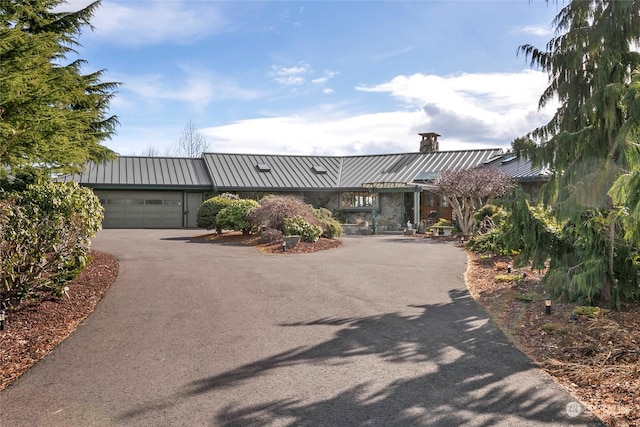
{"x": 379, "y": 332}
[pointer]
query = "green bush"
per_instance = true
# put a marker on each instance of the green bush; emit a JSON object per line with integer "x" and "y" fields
{"x": 299, "y": 227}
{"x": 236, "y": 215}
{"x": 331, "y": 228}
{"x": 45, "y": 234}
{"x": 442, "y": 222}
{"x": 208, "y": 210}
{"x": 492, "y": 242}
{"x": 492, "y": 226}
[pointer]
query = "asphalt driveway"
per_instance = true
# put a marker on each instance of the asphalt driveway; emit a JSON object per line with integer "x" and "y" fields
{"x": 379, "y": 332}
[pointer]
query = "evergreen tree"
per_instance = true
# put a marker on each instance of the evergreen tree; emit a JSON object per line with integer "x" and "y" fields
{"x": 589, "y": 63}
{"x": 51, "y": 115}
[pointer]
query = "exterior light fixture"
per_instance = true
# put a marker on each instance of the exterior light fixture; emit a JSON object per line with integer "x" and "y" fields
{"x": 547, "y": 306}
{"x": 284, "y": 245}
{"x": 2, "y": 317}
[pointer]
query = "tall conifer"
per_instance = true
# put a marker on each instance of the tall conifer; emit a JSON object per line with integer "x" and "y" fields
{"x": 52, "y": 116}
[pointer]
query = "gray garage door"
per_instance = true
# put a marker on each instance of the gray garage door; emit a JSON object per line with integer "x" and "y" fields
{"x": 141, "y": 209}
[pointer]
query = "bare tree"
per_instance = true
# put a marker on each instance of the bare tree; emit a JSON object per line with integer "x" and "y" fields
{"x": 192, "y": 143}
{"x": 467, "y": 190}
{"x": 151, "y": 151}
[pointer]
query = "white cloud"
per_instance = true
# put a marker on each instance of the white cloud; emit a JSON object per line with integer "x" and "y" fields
{"x": 534, "y": 30}
{"x": 299, "y": 135}
{"x": 469, "y": 110}
{"x": 387, "y": 55}
{"x": 197, "y": 87}
{"x": 328, "y": 75}
{"x": 476, "y": 107}
{"x": 290, "y": 76}
{"x": 157, "y": 22}
{"x": 327, "y": 91}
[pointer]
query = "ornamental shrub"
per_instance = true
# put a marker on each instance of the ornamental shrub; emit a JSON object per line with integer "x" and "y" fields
{"x": 274, "y": 209}
{"x": 45, "y": 234}
{"x": 298, "y": 226}
{"x": 208, "y": 210}
{"x": 270, "y": 235}
{"x": 236, "y": 215}
{"x": 331, "y": 227}
{"x": 443, "y": 222}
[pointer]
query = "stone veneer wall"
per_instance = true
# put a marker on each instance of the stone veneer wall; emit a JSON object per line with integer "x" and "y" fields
{"x": 388, "y": 218}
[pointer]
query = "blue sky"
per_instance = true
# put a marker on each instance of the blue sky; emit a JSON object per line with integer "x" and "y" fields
{"x": 318, "y": 77}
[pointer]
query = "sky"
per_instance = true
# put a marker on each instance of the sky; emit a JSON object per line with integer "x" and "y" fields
{"x": 319, "y": 77}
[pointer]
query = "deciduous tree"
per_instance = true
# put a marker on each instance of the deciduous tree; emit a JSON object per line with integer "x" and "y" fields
{"x": 192, "y": 143}
{"x": 467, "y": 190}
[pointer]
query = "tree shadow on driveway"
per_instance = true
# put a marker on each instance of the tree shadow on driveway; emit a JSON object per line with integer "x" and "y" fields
{"x": 454, "y": 368}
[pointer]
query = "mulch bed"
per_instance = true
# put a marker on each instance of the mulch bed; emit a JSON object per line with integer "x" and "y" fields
{"x": 595, "y": 358}
{"x": 36, "y": 327}
{"x": 234, "y": 237}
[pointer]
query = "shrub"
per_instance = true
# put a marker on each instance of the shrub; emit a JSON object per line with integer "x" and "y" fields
{"x": 236, "y": 215}
{"x": 208, "y": 210}
{"x": 331, "y": 228}
{"x": 298, "y": 226}
{"x": 491, "y": 242}
{"x": 492, "y": 226}
{"x": 274, "y": 209}
{"x": 270, "y": 235}
{"x": 45, "y": 234}
{"x": 442, "y": 222}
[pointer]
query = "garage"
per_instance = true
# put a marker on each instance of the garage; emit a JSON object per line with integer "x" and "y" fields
{"x": 147, "y": 192}
{"x": 141, "y": 209}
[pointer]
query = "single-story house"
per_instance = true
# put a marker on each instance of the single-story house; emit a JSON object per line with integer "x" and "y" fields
{"x": 381, "y": 190}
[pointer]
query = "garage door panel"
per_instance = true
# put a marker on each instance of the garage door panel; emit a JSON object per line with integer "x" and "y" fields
{"x": 141, "y": 209}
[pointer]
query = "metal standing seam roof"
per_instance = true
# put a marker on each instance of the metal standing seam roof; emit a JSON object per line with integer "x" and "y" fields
{"x": 265, "y": 172}
{"x": 133, "y": 171}
{"x": 521, "y": 169}
{"x": 409, "y": 166}
{"x": 240, "y": 171}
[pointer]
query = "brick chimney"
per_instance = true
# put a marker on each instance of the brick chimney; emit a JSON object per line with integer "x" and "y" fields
{"x": 429, "y": 142}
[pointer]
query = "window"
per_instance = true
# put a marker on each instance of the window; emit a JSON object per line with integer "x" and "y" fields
{"x": 430, "y": 198}
{"x": 356, "y": 199}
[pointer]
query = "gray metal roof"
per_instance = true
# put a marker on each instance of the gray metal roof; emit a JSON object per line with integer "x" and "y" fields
{"x": 265, "y": 172}
{"x": 243, "y": 171}
{"x": 520, "y": 169}
{"x": 128, "y": 171}
{"x": 408, "y": 167}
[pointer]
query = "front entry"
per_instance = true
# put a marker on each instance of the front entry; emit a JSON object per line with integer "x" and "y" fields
{"x": 430, "y": 201}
